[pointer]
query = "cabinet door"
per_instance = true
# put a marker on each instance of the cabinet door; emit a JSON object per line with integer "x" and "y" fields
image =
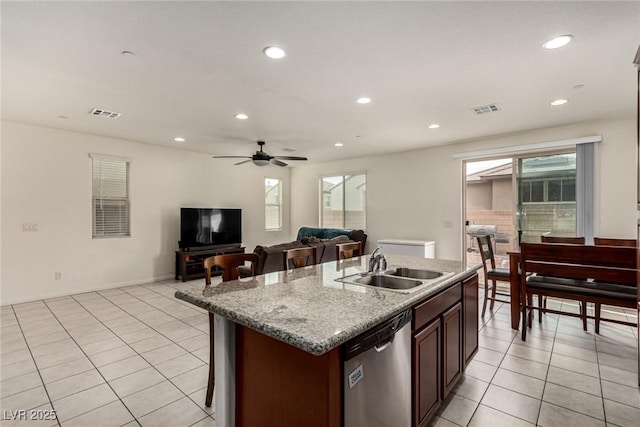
{"x": 470, "y": 317}
{"x": 451, "y": 348}
{"x": 426, "y": 371}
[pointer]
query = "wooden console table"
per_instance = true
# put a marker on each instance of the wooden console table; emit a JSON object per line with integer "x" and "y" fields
{"x": 189, "y": 263}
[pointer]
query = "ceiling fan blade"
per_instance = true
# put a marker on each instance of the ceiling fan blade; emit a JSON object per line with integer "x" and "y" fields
{"x": 242, "y": 162}
{"x": 231, "y": 157}
{"x": 278, "y": 162}
{"x": 289, "y": 158}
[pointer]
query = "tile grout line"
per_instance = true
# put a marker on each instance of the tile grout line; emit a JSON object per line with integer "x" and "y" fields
{"x": 35, "y": 364}
{"x": 90, "y": 361}
{"x": 553, "y": 344}
{"x": 141, "y": 356}
{"x": 97, "y": 369}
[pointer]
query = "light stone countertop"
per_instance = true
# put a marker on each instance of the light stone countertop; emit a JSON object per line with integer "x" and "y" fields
{"x": 308, "y": 309}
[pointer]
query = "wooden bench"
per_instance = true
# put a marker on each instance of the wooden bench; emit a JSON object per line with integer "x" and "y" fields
{"x": 597, "y": 274}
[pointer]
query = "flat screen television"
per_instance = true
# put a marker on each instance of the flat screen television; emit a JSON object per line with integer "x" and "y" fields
{"x": 200, "y": 227}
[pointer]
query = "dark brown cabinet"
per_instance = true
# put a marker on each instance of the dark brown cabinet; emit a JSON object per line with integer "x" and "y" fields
{"x": 470, "y": 318}
{"x": 451, "y": 348}
{"x": 189, "y": 263}
{"x": 426, "y": 384}
{"x": 445, "y": 338}
{"x": 312, "y": 386}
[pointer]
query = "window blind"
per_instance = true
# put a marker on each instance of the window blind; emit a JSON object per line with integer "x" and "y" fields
{"x": 110, "y": 197}
{"x": 272, "y": 204}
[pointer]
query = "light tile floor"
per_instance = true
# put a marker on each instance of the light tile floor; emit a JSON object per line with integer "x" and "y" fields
{"x": 138, "y": 356}
{"x": 561, "y": 376}
{"x": 123, "y": 357}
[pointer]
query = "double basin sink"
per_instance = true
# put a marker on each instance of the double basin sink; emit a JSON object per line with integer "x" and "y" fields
{"x": 400, "y": 279}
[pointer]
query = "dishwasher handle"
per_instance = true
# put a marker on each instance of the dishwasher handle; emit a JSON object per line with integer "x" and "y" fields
{"x": 383, "y": 347}
{"x": 379, "y": 337}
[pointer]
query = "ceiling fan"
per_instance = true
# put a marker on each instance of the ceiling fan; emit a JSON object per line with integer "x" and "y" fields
{"x": 261, "y": 158}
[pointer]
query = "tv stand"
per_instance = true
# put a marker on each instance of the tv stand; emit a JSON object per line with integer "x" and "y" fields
{"x": 189, "y": 261}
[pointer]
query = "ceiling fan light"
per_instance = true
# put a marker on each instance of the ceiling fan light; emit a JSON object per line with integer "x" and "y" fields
{"x": 261, "y": 162}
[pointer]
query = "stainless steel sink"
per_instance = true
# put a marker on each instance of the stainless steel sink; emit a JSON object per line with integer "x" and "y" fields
{"x": 398, "y": 279}
{"x": 414, "y": 273}
{"x": 388, "y": 282}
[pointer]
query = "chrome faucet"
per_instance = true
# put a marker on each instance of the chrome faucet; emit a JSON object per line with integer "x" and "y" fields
{"x": 377, "y": 262}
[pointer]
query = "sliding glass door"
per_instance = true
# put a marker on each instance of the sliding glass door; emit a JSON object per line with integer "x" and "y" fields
{"x": 546, "y": 196}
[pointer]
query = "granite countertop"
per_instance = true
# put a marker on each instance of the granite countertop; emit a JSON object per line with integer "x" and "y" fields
{"x": 308, "y": 309}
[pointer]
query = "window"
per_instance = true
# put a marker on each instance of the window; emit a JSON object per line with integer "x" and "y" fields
{"x": 110, "y": 196}
{"x": 548, "y": 190}
{"x": 272, "y": 204}
{"x": 343, "y": 200}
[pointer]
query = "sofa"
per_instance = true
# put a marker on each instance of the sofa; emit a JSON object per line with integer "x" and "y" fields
{"x": 323, "y": 239}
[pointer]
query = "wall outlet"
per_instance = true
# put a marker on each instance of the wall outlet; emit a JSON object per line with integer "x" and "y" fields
{"x": 29, "y": 227}
{"x": 58, "y": 275}
{"x": 448, "y": 224}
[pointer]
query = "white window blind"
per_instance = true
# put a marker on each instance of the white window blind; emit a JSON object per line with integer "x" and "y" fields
{"x": 110, "y": 196}
{"x": 272, "y": 204}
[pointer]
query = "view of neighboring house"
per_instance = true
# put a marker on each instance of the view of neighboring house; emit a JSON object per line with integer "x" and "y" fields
{"x": 344, "y": 201}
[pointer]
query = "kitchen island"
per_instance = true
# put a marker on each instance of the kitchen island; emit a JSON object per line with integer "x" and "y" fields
{"x": 278, "y": 336}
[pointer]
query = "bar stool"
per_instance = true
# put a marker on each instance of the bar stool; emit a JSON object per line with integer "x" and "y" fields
{"x": 229, "y": 265}
{"x": 348, "y": 250}
{"x": 300, "y": 257}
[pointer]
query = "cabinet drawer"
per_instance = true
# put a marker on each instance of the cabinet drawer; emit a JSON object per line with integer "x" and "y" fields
{"x": 435, "y": 306}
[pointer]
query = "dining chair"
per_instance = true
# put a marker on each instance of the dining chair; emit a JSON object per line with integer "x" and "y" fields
{"x": 348, "y": 250}
{"x": 491, "y": 273}
{"x": 545, "y": 238}
{"x": 299, "y": 257}
{"x": 229, "y": 265}
{"x": 566, "y": 240}
{"x": 605, "y": 241}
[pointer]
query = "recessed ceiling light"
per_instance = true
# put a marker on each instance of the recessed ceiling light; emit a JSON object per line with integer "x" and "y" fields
{"x": 338, "y": 144}
{"x": 578, "y": 87}
{"x": 241, "y": 116}
{"x": 274, "y": 52}
{"x": 557, "y": 42}
{"x": 179, "y": 139}
{"x": 63, "y": 117}
{"x": 363, "y": 100}
{"x": 128, "y": 53}
{"x": 434, "y": 126}
{"x": 559, "y": 102}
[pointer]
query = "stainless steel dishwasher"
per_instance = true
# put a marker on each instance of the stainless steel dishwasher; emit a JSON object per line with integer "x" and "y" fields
{"x": 377, "y": 375}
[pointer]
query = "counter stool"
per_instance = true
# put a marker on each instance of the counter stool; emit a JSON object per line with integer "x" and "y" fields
{"x": 348, "y": 250}
{"x": 300, "y": 257}
{"x": 229, "y": 265}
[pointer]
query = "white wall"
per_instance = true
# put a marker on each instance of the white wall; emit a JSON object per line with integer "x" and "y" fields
{"x": 418, "y": 194}
{"x": 46, "y": 180}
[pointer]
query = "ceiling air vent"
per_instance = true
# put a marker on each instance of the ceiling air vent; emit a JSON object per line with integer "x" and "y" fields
{"x": 484, "y": 109}
{"x": 105, "y": 113}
